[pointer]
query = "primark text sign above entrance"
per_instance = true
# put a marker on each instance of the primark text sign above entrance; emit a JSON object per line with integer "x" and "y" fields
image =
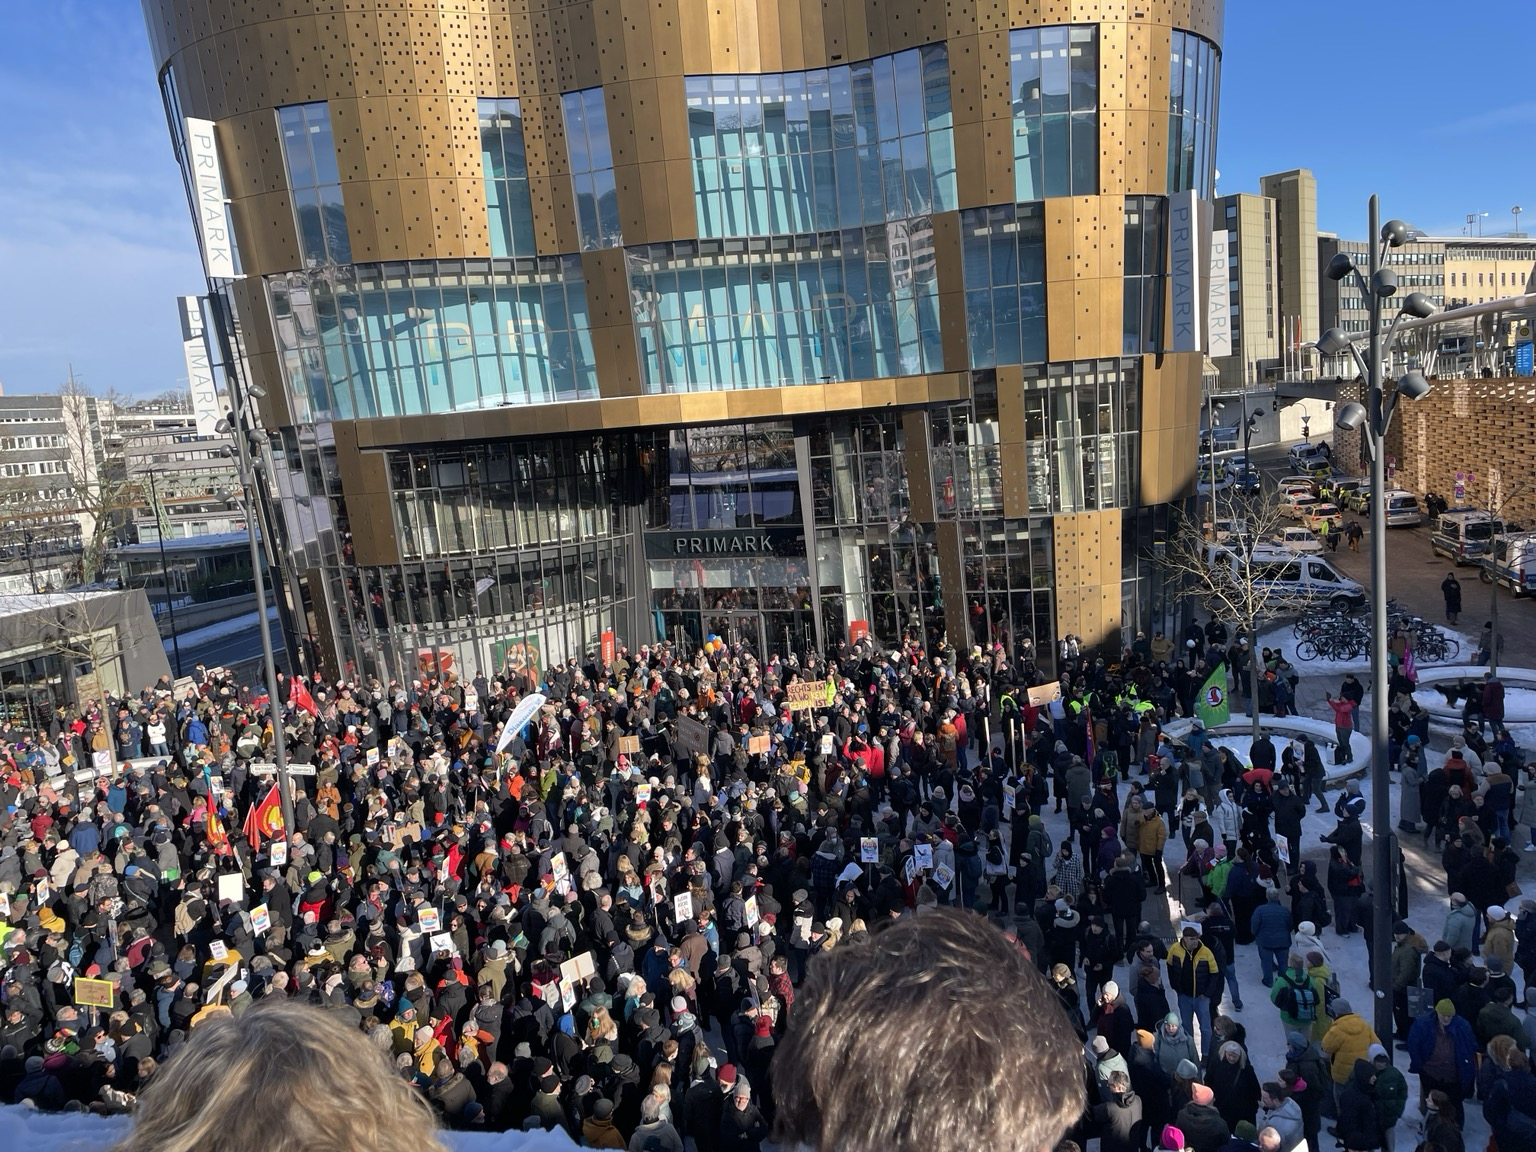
{"x": 736, "y": 542}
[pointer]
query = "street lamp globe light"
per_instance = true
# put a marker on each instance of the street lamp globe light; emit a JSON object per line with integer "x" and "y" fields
{"x": 1350, "y": 416}
{"x": 1414, "y": 386}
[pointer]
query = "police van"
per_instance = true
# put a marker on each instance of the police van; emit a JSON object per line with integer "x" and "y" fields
{"x": 1512, "y": 562}
{"x": 1300, "y": 580}
{"x": 1464, "y": 534}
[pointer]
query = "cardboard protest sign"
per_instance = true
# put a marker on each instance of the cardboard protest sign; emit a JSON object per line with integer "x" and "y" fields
{"x": 219, "y": 950}
{"x": 429, "y": 920}
{"x": 692, "y": 736}
{"x": 682, "y": 906}
{"x": 442, "y": 942}
{"x": 759, "y": 745}
{"x": 579, "y": 968}
{"x": 1042, "y": 694}
{"x": 642, "y": 794}
{"x": 567, "y": 995}
{"x": 629, "y": 745}
{"x": 277, "y": 852}
{"x": 261, "y": 918}
{"x": 869, "y": 850}
{"x": 943, "y": 876}
{"x": 923, "y": 854}
{"x": 810, "y": 694}
{"x": 909, "y": 869}
{"x": 753, "y": 915}
{"x": 94, "y": 993}
{"x": 232, "y": 887}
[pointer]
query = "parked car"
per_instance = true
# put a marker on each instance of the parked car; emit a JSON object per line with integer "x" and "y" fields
{"x": 1339, "y": 489}
{"x": 1298, "y": 538}
{"x": 1247, "y": 480}
{"x": 1295, "y": 504}
{"x": 1322, "y": 516}
{"x": 1203, "y": 485}
{"x": 1307, "y": 457}
{"x": 1402, "y": 509}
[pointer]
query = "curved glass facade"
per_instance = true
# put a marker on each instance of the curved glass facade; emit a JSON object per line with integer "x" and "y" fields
{"x": 1146, "y": 273}
{"x": 851, "y": 305}
{"x": 1054, "y": 84}
{"x": 1003, "y": 252}
{"x": 1081, "y": 424}
{"x": 1194, "y": 77}
{"x": 509, "y": 207}
{"x": 591, "y": 156}
{"x": 314, "y": 183}
{"x": 443, "y": 336}
{"x": 828, "y": 149}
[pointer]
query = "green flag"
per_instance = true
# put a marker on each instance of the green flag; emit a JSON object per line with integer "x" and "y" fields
{"x": 1212, "y": 706}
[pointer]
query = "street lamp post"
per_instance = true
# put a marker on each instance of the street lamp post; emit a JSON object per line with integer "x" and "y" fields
{"x": 1372, "y": 419}
{"x": 243, "y": 425}
{"x": 165, "y": 570}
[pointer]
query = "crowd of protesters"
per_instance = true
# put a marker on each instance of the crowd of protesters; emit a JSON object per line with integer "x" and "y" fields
{"x": 602, "y": 926}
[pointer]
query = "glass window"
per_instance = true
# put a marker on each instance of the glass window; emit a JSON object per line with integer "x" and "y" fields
{"x": 1081, "y": 429}
{"x": 389, "y": 340}
{"x": 1146, "y": 264}
{"x": 797, "y": 310}
{"x": 1054, "y": 86}
{"x": 505, "y": 165}
{"x": 591, "y": 156}
{"x": 842, "y": 147}
{"x": 314, "y": 183}
{"x": 1004, "y": 248}
{"x": 1194, "y": 77}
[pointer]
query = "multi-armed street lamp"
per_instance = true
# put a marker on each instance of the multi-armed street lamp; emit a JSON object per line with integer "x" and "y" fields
{"x": 1377, "y": 285}
{"x": 243, "y": 424}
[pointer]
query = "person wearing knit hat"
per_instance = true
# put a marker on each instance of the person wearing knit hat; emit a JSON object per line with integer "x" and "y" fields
{"x": 1450, "y": 1072}
{"x": 1203, "y": 1126}
{"x": 1172, "y": 1140}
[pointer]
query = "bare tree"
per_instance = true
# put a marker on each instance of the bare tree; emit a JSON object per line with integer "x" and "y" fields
{"x": 95, "y": 474}
{"x": 1229, "y": 577}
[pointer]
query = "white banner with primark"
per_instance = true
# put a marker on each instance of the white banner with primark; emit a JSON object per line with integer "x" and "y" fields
{"x": 200, "y": 378}
{"x": 209, "y": 202}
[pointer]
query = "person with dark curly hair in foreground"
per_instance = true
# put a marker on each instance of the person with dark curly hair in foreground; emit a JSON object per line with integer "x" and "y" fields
{"x": 934, "y": 1035}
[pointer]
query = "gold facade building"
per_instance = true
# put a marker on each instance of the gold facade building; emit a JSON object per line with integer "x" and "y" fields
{"x": 786, "y": 321}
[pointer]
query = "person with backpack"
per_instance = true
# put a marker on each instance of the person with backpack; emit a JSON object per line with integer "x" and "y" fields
{"x": 1293, "y": 993}
{"x": 1349, "y": 1040}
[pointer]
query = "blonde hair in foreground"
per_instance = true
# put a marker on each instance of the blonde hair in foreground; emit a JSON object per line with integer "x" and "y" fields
{"x": 284, "y": 1077}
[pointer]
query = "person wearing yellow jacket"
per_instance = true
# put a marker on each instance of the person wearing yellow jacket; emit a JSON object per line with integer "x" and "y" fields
{"x": 1349, "y": 1039}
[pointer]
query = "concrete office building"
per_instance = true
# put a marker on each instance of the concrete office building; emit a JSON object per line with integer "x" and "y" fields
{"x": 782, "y": 320}
{"x": 1251, "y": 224}
{"x": 179, "y": 473}
{"x": 1296, "y": 267}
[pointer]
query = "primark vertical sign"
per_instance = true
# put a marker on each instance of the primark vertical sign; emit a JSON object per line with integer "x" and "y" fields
{"x": 200, "y": 378}
{"x": 1186, "y": 269}
{"x": 208, "y": 200}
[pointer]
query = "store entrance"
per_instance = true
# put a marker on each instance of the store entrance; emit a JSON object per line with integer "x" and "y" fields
{"x": 765, "y": 633}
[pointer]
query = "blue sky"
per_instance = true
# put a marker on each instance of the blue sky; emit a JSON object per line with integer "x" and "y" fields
{"x": 96, "y": 241}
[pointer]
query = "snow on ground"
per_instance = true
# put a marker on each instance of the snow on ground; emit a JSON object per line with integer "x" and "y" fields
{"x": 231, "y": 627}
{"x": 1519, "y": 704}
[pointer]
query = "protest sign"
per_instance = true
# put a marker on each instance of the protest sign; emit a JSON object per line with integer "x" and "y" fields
{"x": 1043, "y": 694}
{"x": 261, "y": 918}
{"x": 682, "y": 906}
{"x": 93, "y": 993}
{"x": 923, "y": 854}
{"x": 869, "y": 850}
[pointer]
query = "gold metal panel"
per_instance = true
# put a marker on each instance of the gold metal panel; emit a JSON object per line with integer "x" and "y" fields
{"x": 704, "y": 407}
{"x": 724, "y": 52}
{"x": 791, "y": 44}
{"x": 693, "y": 17}
{"x": 965, "y": 90}
{"x": 855, "y": 31}
{"x": 919, "y": 464}
{"x": 660, "y": 411}
{"x": 952, "y": 575}
{"x": 684, "y": 222}
{"x": 971, "y": 168}
{"x": 667, "y": 37}
{"x": 639, "y": 50}
{"x": 770, "y": 44}
{"x": 813, "y": 34}
{"x": 748, "y": 56}
{"x": 1061, "y": 320}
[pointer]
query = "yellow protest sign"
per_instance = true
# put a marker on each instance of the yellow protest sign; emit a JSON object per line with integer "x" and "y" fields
{"x": 93, "y": 993}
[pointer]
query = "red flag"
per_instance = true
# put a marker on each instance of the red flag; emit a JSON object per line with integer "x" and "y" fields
{"x": 1410, "y": 666}
{"x": 265, "y": 819}
{"x": 299, "y": 697}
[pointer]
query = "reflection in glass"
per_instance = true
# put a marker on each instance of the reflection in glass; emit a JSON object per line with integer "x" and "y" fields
{"x": 1003, "y": 255}
{"x": 1054, "y": 86}
{"x": 791, "y": 310}
{"x": 314, "y": 183}
{"x": 591, "y": 156}
{"x": 828, "y": 149}
{"x": 1194, "y": 76}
